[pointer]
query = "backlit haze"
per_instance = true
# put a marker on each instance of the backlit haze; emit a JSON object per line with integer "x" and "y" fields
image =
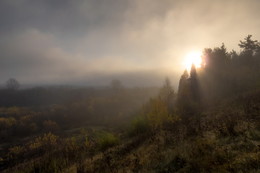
{"x": 91, "y": 42}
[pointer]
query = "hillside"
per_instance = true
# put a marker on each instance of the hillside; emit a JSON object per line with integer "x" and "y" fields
{"x": 224, "y": 139}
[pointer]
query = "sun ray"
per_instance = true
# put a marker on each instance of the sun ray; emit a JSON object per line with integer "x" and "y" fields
{"x": 193, "y": 58}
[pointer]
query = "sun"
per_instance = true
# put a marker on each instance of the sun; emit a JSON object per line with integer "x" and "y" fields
{"x": 193, "y": 58}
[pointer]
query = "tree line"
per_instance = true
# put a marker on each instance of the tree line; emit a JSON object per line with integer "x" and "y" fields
{"x": 223, "y": 74}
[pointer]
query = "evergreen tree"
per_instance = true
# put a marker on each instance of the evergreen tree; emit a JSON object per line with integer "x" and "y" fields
{"x": 249, "y": 47}
{"x": 183, "y": 98}
{"x": 183, "y": 82}
{"x": 194, "y": 84}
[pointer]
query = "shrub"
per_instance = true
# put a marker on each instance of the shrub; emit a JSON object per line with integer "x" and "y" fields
{"x": 138, "y": 126}
{"x": 15, "y": 152}
{"x": 156, "y": 112}
{"x": 106, "y": 140}
{"x": 50, "y": 125}
{"x": 45, "y": 142}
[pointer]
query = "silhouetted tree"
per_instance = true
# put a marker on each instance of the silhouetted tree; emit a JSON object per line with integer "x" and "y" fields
{"x": 184, "y": 92}
{"x": 249, "y": 46}
{"x": 227, "y": 73}
{"x": 233, "y": 55}
{"x": 183, "y": 82}
{"x": 189, "y": 99}
{"x": 194, "y": 84}
{"x": 216, "y": 58}
{"x": 12, "y": 84}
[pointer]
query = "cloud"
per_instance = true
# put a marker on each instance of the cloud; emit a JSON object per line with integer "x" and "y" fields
{"x": 70, "y": 41}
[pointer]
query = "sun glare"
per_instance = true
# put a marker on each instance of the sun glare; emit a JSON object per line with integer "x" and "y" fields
{"x": 193, "y": 58}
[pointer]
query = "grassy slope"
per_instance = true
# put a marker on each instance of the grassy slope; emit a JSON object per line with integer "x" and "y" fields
{"x": 225, "y": 139}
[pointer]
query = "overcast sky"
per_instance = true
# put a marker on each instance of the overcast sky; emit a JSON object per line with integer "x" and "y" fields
{"x": 94, "y": 41}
